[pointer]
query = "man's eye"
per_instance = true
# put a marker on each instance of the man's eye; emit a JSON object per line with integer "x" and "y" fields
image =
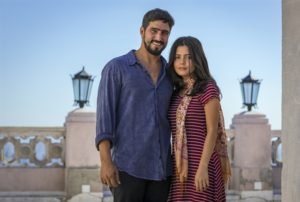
{"x": 165, "y": 33}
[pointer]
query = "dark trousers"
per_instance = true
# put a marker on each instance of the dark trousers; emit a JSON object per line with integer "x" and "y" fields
{"x": 134, "y": 189}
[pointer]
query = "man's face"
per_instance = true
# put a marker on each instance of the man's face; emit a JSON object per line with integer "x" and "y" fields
{"x": 155, "y": 37}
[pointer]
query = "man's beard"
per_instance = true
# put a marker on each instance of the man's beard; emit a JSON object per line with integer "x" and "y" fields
{"x": 155, "y": 52}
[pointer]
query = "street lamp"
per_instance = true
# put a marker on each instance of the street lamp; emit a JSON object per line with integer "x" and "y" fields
{"x": 82, "y": 86}
{"x": 250, "y": 88}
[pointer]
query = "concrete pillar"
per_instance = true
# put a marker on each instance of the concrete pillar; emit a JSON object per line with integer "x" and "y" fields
{"x": 252, "y": 154}
{"x": 291, "y": 100}
{"x": 82, "y": 158}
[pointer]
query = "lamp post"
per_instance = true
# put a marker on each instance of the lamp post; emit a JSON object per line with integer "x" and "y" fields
{"x": 82, "y": 86}
{"x": 250, "y": 88}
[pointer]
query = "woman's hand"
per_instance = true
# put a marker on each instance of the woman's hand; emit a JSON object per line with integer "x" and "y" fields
{"x": 201, "y": 178}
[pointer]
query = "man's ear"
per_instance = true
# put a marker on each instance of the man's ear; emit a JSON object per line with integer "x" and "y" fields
{"x": 142, "y": 30}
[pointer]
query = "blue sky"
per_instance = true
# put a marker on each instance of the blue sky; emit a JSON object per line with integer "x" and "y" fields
{"x": 43, "y": 42}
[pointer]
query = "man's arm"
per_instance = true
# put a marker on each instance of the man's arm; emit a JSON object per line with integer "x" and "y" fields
{"x": 108, "y": 96}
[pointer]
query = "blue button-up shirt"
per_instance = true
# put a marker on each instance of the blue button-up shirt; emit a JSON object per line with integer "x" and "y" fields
{"x": 132, "y": 115}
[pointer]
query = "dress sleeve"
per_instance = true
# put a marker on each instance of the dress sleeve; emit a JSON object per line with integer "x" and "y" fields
{"x": 211, "y": 91}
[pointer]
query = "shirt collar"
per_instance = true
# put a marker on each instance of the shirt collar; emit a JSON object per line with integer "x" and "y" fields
{"x": 132, "y": 60}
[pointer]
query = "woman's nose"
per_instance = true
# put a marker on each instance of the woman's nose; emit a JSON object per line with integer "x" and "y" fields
{"x": 182, "y": 60}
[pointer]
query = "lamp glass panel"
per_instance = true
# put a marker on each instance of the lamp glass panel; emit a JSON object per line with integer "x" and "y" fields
{"x": 84, "y": 85}
{"x": 242, "y": 90}
{"x": 247, "y": 92}
{"x": 76, "y": 88}
{"x": 255, "y": 92}
{"x": 90, "y": 89}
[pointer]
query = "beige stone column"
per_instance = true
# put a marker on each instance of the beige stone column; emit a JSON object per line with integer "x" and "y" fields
{"x": 291, "y": 100}
{"x": 252, "y": 155}
{"x": 82, "y": 158}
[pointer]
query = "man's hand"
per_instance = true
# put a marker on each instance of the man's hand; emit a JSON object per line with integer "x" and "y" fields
{"x": 109, "y": 174}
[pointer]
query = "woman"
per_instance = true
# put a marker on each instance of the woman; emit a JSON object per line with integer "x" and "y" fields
{"x": 200, "y": 162}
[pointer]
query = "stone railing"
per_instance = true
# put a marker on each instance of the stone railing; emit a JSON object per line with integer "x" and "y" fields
{"x": 276, "y": 148}
{"x": 276, "y": 161}
{"x": 32, "y": 147}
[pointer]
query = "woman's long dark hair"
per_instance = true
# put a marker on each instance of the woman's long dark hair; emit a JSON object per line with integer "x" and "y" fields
{"x": 201, "y": 73}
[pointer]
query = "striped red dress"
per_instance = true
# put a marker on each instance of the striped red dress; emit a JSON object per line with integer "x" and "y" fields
{"x": 196, "y": 132}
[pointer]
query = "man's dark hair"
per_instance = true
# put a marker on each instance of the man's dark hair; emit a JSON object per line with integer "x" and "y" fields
{"x": 157, "y": 14}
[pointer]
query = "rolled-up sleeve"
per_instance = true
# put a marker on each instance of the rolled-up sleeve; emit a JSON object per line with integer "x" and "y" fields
{"x": 107, "y": 101}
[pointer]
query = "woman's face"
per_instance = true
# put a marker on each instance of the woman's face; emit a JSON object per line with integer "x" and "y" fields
{"x": 183, "y": 64}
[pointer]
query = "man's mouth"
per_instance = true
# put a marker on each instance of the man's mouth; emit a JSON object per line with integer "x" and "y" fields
{"x": 157, "y": 43}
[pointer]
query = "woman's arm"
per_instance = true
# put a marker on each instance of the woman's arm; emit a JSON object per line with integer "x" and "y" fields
{"x": 211, "y": 109}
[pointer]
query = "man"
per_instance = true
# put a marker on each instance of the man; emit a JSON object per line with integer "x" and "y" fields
{"x": 132, "y": 107}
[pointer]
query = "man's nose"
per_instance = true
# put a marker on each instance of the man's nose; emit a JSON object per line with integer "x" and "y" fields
{"x": 159, "y": 36}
